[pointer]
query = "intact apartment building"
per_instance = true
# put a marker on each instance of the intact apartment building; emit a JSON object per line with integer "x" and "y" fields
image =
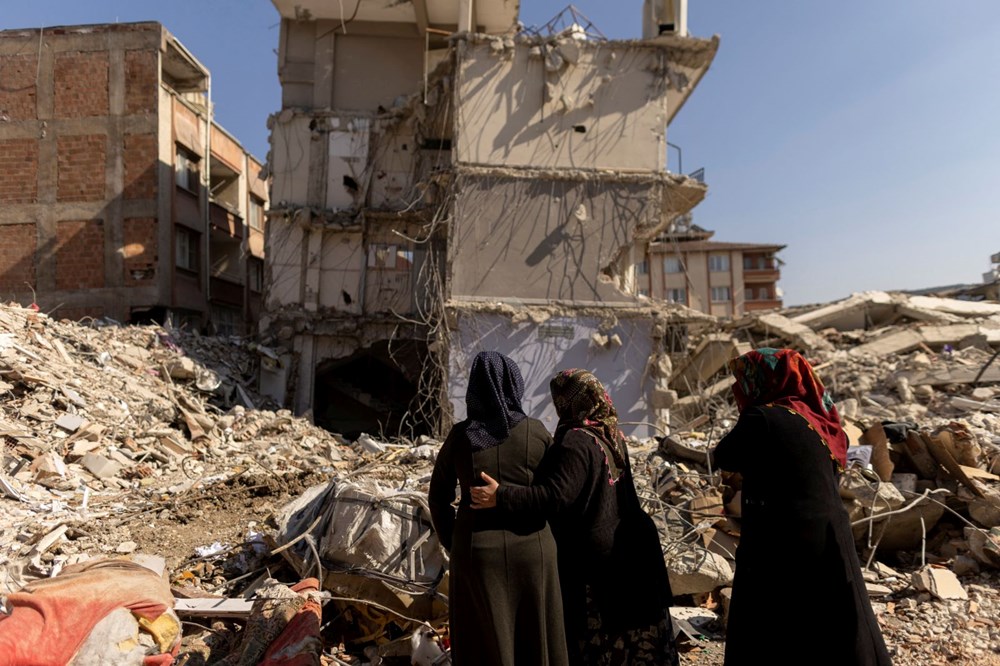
{"x": 445, "y": 181}
{"x": 724, "y": 279}
{"x": 120, "y": 196}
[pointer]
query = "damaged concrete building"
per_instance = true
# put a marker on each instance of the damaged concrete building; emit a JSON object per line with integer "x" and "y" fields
{"x": 445, "y": 181}
{"x": 121, "y": 197}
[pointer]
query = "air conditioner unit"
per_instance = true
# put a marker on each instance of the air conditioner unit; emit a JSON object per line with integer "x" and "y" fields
{"x": 995, "y": 258}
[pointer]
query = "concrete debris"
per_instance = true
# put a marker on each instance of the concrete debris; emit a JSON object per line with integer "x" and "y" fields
{"x": 940, "y": 582}
{"x": 118, "y": 441}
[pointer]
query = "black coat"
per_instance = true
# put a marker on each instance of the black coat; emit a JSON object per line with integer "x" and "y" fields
{"x": 504, "y": 601}
{"x": 798, "y": 594}
{"x": 606, "y": 540}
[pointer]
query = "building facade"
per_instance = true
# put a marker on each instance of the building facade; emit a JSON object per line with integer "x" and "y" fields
{"x": 445, "y": 182}
{"x": 121, "y": 197}
{"x": 722, "y": 279}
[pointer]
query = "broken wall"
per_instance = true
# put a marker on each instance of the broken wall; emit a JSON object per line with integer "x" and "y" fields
{"x": 319, "y": 68}
{"x": 569, "y": 104}
{"x": 546, "y": 237}
{"x": 564, "y": 340}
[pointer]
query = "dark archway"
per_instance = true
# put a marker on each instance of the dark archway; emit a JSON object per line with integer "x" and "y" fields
{"x": 374, "y": 391}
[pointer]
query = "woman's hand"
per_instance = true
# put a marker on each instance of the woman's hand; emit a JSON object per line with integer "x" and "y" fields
{"x": 485, "y": 497}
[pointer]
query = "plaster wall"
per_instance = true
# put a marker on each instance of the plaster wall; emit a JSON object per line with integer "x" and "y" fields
{"x": 569, "y": 105}
{"x": 549, "y": 239}
{"x": 540, "y": 350}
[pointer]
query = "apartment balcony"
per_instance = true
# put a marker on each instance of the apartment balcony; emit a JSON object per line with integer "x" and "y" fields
{"x": 226, "y": 289}
{"x": 770, "y": 304}
{"x": 757, "y": 275}
{"x": 226, "y": 220}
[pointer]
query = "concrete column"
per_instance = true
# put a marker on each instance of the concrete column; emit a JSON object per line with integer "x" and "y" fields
{"x": 466, "y": 14}
{"x": 305, "y": 348}
{"x": 114, "y": 262}
{"x": 48, "y": 172}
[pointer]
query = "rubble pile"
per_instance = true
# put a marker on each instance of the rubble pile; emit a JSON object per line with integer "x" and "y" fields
{"x": 104, "y": 423}
{"x": 151, "y": 444}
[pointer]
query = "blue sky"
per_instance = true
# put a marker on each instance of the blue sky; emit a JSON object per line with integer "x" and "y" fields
{"x": 863, "y": 135}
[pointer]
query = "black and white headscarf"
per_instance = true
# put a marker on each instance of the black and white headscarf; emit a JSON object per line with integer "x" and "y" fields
{"x": 493, "y": 400}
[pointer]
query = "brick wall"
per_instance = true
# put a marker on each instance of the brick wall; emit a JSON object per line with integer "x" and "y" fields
{"x": 140, "y": 250}
{"x": 79, "y": 254}
{"x": 18, "y": 94}
{"x": 141, "y": 81}
{"x": 18, "y": 170}
{"x": 17, "y": 258}
{"x": 75, "y": 314}
{"x": 81, "y": 85}
{"x": 140, "y": 166}
{"x": 82, "y": 167}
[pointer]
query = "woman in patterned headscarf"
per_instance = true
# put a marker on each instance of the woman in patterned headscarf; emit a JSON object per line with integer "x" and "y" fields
{"x": 616, "y": 595}
{"x": 788, "y": 446}
{"x": 504, "y": 601}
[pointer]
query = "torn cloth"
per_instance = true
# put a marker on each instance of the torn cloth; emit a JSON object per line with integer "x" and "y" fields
{"x": 50, "y": 619}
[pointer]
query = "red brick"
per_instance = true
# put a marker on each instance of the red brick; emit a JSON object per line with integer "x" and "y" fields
{"x": 140, "y": 166}
{"x": 18, "y": 92}
{"x": 18, "y": 170}
{"x": 79, "y": 254}
{"x": 140, "y": 250}
{"x": 82, "y": 167}
{"x": 17, "y": 258}
{"x": 81, "y": 84}
{"x": 141, "y": 82}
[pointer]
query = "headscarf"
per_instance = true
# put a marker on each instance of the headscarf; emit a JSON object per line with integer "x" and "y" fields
{"x": 768, "y": 376}
{"x": 582, "y": 403}
{"x": 493, "y": 400}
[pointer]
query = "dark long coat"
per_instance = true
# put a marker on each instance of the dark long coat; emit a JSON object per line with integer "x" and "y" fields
{"x": 798, "y": 594}
{"x": 607, "y": 542}
{"x": 504, "y": 600}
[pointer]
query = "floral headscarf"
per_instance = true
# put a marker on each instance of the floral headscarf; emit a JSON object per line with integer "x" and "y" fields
{"x": 493, "y": 400}
{"x": 582, "y": 402}
{"x": 768, "y": 376}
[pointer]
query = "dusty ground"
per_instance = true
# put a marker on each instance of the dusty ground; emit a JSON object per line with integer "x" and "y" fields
{"x": 919, "y": 630}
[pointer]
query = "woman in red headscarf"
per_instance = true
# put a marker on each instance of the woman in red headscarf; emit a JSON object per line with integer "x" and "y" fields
{"x": 798, "y": 595}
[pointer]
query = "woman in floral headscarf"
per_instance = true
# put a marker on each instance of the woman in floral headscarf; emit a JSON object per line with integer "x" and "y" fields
{"x": 616, "y": 595}
{"x": 798, "y": 578}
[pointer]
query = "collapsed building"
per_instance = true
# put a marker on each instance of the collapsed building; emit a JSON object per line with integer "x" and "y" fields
{"x": 446, "y": 182}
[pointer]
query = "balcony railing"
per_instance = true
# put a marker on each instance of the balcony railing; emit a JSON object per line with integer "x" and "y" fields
{"x": 761, "y": 304}
{"x": 761, "y": 274}
{"x": 226, "y": 291}
{"x": 226, "y": 220}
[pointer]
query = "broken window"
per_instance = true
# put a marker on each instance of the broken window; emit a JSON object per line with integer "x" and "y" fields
{"x": 718, "y": 263}
{"x": 672, "y": 265}
{"x": 677, "y": 295}
{"x": 643, "y": 292}
{"x": 389, "y": 257}
{"x": 186, "y": 244}
{"x": 642, "y": 268}
{"x": 720, "y": 294}
{"x": 186, "y": 169}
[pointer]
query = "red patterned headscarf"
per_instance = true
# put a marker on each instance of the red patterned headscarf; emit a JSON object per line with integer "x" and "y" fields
{"x": 582, "y": 402}
{"x": 783, "y": 377}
